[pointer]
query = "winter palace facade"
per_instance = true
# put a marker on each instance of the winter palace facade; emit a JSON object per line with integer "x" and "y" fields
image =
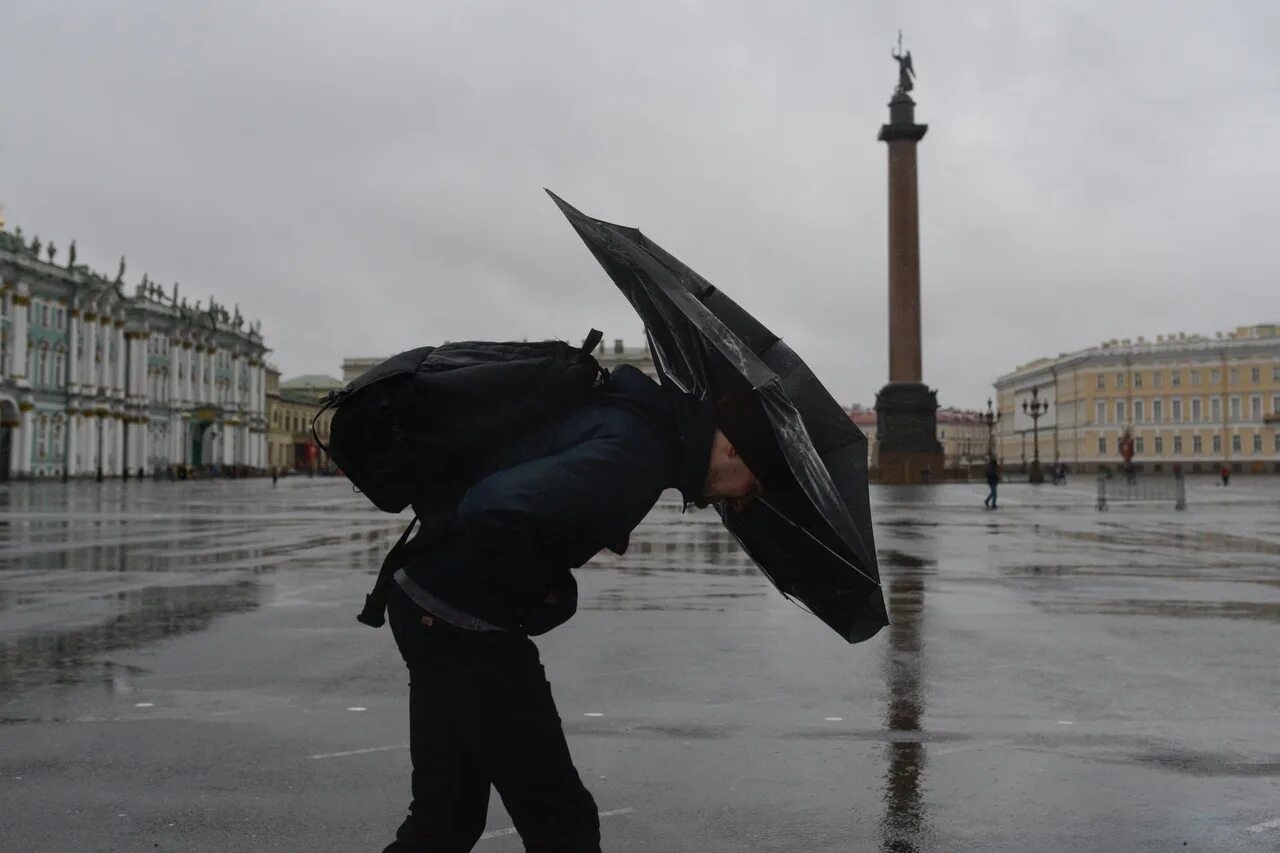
{"x": 94, "y": 381}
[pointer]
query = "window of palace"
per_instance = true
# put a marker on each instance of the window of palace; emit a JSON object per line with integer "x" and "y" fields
{"x": 1236, "y": 444}
{"x": 1177, "y": 445}
{"x": 1255, "y": 375}
{"x": 1235, "y": 408}
{"x": 1275, "y": 405}
{"x": 1275, "y": 373}
{"x": 1257, "y": 442}
{"x": 1215, "y": 409}
{"x": 1277, "y": 438}
{"x": 1120, "y": 411}
{"x": 1197, "y": 445}
{"x": 1195, "y": 408}
{"x": 1177, "y": 378}
{"x": 1176, "y": 410}
{"x": 1255, "y": 409}
{"x": 1156, "y": 378}
{"x": 1217, "y": 444}
{"x": 1137, "y": 379}
{"x": 1159, "y": 445}
{"x": 1119, "y": 380}
{"x": 1102, "y": 410}
{"x": 1157, "y": 410}
{"x": 1139, "y": 445}
{"x": 1138, "y": 412}
{"x": 1102, "y": 446}
{"x": 1195, "y": 377}
{"x": 1215, "y": 376}
{"x": 1234, "y": 375}
{"x": 1102, "y": 381}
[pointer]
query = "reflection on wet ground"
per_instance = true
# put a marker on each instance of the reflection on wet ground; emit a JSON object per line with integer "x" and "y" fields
{"x": 1045, "y": 641}
{"x": 89, "y": 569}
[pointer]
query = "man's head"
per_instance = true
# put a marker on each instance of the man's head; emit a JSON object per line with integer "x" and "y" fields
{"x": 745, "y": 456}
{"x": 728, "y": 477}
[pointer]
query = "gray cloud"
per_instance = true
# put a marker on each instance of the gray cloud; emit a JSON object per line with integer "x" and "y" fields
{"x": 367, "y": 177}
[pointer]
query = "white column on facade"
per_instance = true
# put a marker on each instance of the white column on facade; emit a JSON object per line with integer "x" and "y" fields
{"x": 197, "y": 384}
{"x": 119, "y": 434}
{"x": 24, "y": 442}
{"x": 90, "y": 442}
{"x": 19, "y": 328}
{"x": 73, "y": 351}
{"x": 118, "y": 372}
{"x": 72, "y": 446}
{"x": 233, "y": 396}
{"x": 144, "y": 446}
{"x": 175, "y": 427}
{"x": 87, "y": 326}
{"x": 173, "y": 375}
{"x": 92, "y": 337}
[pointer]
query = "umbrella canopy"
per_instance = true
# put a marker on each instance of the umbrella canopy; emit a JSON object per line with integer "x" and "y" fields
{"x": 812, "y": 536}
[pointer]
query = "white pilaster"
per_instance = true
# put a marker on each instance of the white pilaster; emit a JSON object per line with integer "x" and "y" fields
{"x": 117, "y": 381}
{"x": 118, "y": 437}
{"x": 73, "y": 443}
{"x": 73, "y": 351}
{"x": 19, "y": 328}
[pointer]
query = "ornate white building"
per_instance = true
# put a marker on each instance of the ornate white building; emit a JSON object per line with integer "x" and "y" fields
{"x": 92, "y": 380}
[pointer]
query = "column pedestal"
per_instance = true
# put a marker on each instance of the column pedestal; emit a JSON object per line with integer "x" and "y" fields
{"x": 907, "y": 444}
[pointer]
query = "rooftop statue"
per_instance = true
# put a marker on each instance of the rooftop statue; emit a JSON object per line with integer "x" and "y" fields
{"x": 120, "y": 271}
{"x": 906, "y": 71}
{"x": 35, "y": 246}
{"x": 52, "y": 251}
{"x": 71, "y": 255}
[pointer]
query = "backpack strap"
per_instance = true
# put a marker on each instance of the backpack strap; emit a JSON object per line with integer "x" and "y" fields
{"x": 375, "y": 603}
{"x": 592, "y": 341}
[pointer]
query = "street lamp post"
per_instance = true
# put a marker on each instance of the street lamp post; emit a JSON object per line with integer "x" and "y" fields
{"x": 990, "y": 418}
{"x": 1036, "y": 408}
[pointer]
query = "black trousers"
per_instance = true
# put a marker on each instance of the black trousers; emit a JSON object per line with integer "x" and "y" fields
{"x": 481, "y": 714}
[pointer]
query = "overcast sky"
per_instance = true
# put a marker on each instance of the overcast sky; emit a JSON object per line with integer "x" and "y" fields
{"x": 367, "y": 176}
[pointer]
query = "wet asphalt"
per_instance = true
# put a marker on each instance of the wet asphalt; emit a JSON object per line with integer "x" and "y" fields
{"x": 181, "y": 670}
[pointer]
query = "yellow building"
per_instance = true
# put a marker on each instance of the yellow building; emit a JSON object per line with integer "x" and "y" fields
{"x": 1188, "y": 399}
{"x": 291, "y": 405}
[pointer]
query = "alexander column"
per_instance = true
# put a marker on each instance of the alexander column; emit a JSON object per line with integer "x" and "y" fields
{"x": 906, "y": 408}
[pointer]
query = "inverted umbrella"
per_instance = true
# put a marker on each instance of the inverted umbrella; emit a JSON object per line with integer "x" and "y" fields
{"x": 810, "y": 535}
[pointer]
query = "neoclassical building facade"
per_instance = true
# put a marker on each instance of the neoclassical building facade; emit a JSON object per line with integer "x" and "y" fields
{"x": 95, "y": 381}
{"x": 1195, "y": 401}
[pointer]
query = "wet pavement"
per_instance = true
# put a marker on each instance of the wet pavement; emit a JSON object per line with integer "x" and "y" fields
{"x": 181, "y": 670}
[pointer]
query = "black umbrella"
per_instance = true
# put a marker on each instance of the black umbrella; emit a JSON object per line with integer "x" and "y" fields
{"x": 811, "y": 536}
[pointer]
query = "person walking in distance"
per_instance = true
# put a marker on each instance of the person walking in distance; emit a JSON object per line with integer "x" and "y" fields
{"x": 476, "y": 586}
{"x": 993, "y": 479}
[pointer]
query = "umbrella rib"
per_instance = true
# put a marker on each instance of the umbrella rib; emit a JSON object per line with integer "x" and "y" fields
{"x": 828, "y": 548}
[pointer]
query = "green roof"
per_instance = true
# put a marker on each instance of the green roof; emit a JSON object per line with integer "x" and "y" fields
{"x": 310, "y": 381}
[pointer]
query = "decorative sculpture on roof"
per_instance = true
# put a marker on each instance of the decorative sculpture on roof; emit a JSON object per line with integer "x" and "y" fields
{"x": 52, "y": 251}
{"x": 71, "y": 255}
{"x": 35, "y": 246}
{"x": 120, "y": 270}
{"x": 906, "y": 71}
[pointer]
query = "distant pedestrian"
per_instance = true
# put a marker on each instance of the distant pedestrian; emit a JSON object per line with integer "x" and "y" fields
{"x": 275, "y": 475}
{"x": 993, "y": 479}
{"x": 1226, "y": 474}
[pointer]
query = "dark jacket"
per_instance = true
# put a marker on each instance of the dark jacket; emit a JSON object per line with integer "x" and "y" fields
{"x": 552, "y": 500}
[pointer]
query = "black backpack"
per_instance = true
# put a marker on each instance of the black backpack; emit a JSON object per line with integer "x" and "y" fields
{"x": 408, "y": 430}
